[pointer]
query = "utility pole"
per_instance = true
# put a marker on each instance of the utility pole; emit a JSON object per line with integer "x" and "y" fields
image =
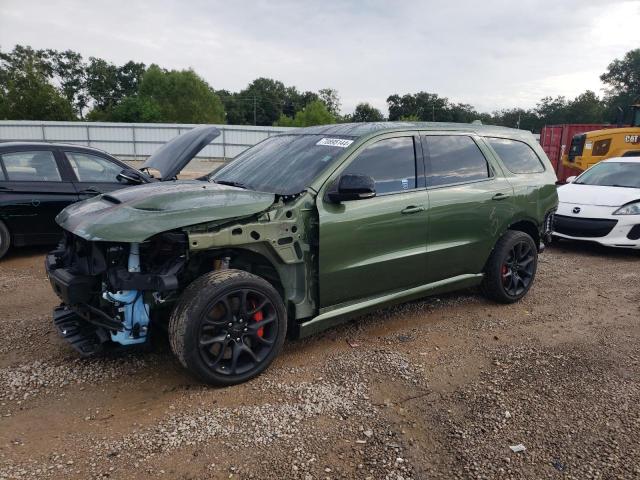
{"x": 255, "y": 122}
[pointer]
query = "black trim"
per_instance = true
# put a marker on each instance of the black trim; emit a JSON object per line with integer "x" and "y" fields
{"x": 634, "y": 233}
{"x": 583, "y": 227}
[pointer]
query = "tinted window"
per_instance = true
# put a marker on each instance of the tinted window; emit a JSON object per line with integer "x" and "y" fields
{"x": 31, "y": 166}
{"x": 455, "y": 159}
{"x": 91, "y": 168}
{"x": 284, "y": 164}
{"x": 518, "y": 157}
{"x": 391, "y": 163}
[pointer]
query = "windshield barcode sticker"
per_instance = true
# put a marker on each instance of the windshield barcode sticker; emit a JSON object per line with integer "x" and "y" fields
{"x": 335, "y": 142}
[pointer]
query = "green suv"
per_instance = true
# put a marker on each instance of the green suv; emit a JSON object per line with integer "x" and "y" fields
{"x": 299, "y": 233}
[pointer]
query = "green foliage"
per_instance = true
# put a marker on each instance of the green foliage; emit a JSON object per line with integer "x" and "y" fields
{"x": 315, "y": 113}
{"x": 365, "y": 112}
{"x": 137, "y": 109}
{"x": 623, "y": 75}
{"x": 180, "y": 96}
{"x": 331, "y": 100}
{"x": 25, "y": 91}
{"x": 53, "y": 85}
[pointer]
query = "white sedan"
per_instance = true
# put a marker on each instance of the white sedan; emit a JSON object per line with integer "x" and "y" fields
{"x": 602, "y": 205}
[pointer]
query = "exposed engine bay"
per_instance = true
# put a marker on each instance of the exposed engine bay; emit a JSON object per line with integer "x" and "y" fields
{"x": 109, "y": 289}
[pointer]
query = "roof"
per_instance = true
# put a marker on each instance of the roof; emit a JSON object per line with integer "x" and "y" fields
{"x": 623, "y": 160}
{"x": 36, "y": 144}
{"x": 362, "y": 129}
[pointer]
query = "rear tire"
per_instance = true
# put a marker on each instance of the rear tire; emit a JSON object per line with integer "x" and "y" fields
{"x": 511, "y": 268}
{"x": 227, "y": 327}
{"x": 5, "y": 239}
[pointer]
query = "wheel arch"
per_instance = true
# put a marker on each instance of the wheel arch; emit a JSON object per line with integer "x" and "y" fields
{"x": 527, "y": 226}
{"x": 289, "y": 280}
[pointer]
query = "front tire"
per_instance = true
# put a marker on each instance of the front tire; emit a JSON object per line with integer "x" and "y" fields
{"x": 227, "y": 327}
{"x": 5, "y": 239}
{"x": 511, "y": 268}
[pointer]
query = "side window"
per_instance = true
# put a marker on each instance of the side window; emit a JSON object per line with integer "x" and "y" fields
{"x": 390, "y": 162}
{"x": 91, "y": 168}
{"x": 455, "y": 159}
{"x": 517, "y": 156}
{"x": 1, "y": 171}
{"x": 31, "y": 167}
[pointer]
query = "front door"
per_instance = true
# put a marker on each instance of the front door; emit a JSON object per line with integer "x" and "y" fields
{"x": 374, "y": 246}
{"x": 95, "y": 174}
{"x": 470, "y": 204}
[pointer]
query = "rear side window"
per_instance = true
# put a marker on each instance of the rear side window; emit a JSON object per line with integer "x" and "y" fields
{"x": 390, "y": 162}
{"x": 31, "y": 167}
{"x": 455, "y": 159}
{"x": 517, "y": 156}
{"x": 91, "y": 168}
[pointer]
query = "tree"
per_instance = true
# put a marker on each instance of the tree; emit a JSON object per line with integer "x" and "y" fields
{"x": 137, "y": 109}
{"x": 25, "y": 90}
{"x": 331, "y": 100}
{"x": 623, "y": 76}
{"x": 586, "y": 108}
{"x": 262, "y": 101}
{"x": 623, "y": 79}
{"x": 28, "y": 96}
{"x": 70, "y": 70}
{"x": 181, "y": 96}
{"x": 365, "y": 112}
{"x": 315, "y": 113}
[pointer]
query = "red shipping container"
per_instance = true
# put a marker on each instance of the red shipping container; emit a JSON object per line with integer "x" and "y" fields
{"x": 556, "y": 140}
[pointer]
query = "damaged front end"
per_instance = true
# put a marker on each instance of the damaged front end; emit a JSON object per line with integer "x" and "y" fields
{"x": 108, "y": 290}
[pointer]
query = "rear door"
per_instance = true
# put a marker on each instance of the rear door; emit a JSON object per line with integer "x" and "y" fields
{"x": 373, "y": 246}
{"x": 470, "y": 204}
{"x": 94, "y": 174}
{"x": 34, "y": 188}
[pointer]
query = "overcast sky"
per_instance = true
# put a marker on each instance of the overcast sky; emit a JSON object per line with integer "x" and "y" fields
{"x": 491, "y": 54}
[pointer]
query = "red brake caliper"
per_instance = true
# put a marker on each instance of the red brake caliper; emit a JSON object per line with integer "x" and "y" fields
{"x": 257, "y": 317}
{"x": 505, "y": 270}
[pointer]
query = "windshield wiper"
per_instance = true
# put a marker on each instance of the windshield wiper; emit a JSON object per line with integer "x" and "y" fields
{"x": 231, "y": 183}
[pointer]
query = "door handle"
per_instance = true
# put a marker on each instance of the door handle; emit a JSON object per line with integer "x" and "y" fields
{"x": 500, "y": 196}
{"x": 6, "y": 189}
{"x": 89, "y": 191}
{"x": 412, "y": 209}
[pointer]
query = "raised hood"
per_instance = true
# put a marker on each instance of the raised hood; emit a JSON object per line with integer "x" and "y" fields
{"x": 136, "y": 213}
{"x": 174, "y": 155}
{"x": 597, "y": 195}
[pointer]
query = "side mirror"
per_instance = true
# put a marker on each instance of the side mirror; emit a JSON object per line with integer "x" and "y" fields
{"x": 353, "y": 187}
{"x": 571, "y": 179}
{"x": 131, "y": 177}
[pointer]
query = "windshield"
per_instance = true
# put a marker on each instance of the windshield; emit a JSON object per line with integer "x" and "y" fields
{"x": 284, "y": 164}
{"x": 612, "y": 174}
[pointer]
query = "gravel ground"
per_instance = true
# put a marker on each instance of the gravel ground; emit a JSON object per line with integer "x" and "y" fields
{"x": 439, "y": 388}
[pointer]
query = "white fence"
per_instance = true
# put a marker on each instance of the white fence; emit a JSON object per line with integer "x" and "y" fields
{"x": 133, "y": 141}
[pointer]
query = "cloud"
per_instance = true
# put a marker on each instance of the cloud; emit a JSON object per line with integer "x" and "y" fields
{"x": 491, "y": 54}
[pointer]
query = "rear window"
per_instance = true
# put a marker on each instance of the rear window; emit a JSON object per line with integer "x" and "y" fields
{"x": 39, "y": 166}
{"x": 517, "y": 156}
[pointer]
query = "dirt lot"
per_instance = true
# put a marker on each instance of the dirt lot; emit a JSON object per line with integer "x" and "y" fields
{"x": 433, "y": 389}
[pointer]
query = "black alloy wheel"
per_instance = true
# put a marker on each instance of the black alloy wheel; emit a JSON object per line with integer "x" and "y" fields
{"x": 228, "y": 326}
{"x": 518, "y": 268}
{"x": 238, "y": 332}
{"x": 511, "y": 267}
